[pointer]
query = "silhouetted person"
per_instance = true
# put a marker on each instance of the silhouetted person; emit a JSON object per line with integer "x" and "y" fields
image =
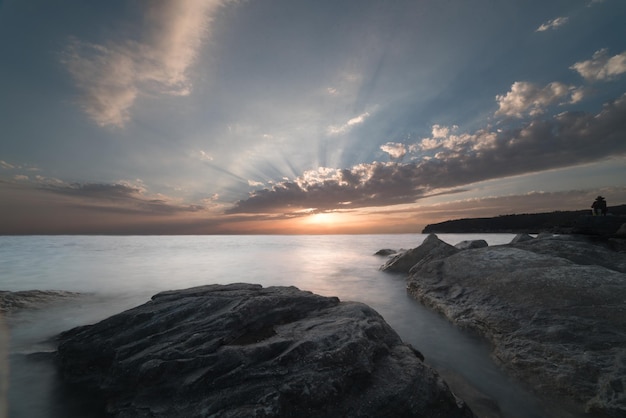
{"x": 599, "y": 206}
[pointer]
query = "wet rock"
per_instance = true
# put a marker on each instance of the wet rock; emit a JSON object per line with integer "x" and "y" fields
{"x": 244, "y": 350}
{"x": 470, "y": 244}
{"x": 553, "y": 309}
{"x": 431, "y": 248}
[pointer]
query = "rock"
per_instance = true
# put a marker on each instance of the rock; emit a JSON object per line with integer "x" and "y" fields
{"x": 578, "y": 249}
{"x": 431, "y": 248}
{"x": 598, "y": 225}
{"x": 31, "y": 299}
{"x": 621, "y": 232}
{"x": 543, "y": 235}
{"x": 246, "y": 351}
{"x": 470, "y": 244}
{"x": 521, "y": 238}
{"x": 553, "y": 309}
{"x": 385, "y": 252}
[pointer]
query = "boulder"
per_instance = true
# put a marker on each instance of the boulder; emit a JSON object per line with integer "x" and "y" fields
{"x": 242, "y": 350}
{"x": 385, "y": 252}
{"x": 470, "y": 244}
{"x": 621, "y": 232}
{"x": 552, "y": 308}
{"x": 431, "y": 248}
{"x": 521, "y": 238}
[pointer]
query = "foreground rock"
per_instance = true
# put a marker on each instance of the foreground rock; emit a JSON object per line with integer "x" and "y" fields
{"x": 246, "y": 351}
{"x": 31, "y": 299}
{"x": 554, "y": 309}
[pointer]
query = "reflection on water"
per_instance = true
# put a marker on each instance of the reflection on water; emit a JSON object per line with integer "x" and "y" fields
{"x": 121, "y": 272}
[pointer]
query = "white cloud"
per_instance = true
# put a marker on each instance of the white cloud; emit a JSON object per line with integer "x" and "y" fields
{"x": 346, "y": 127}
{"x": 552, "y": 24}
{"x": 204, "y": 156}
{"x": 601, "y": 67}
{"x": 6, "y": 165}
{"x": 394, "y": 149}
{"x": 253, "y": 183}
{"x": 525, "y": 97}
{"x": 111, "y": 76}
{"x": 20, "y": 177}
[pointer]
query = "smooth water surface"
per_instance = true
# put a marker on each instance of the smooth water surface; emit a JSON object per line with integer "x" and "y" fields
{"x": 118, "y": 273}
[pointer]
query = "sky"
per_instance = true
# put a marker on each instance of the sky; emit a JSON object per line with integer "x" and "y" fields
{"x": 289, "y": 117}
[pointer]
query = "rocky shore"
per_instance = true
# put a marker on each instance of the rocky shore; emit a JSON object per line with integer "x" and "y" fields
{"x": 554, "y": 308}
{"x": 242, "y": 350}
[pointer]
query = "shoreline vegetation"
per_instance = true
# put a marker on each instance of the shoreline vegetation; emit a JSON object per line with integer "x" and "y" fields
{"x": 558, "y": 222}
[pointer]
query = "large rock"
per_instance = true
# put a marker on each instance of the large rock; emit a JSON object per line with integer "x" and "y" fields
{"x": 471, "y": 244}
{"x": 431, "y": 248}
{"x": 246, "y": 351}
{"x": 554, "y": 310}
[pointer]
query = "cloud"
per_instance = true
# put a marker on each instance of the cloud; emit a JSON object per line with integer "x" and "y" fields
{"x": 567, "y": 139}
{"x": 525, "y": 97}
{"x": 394, "y": 149}
{"x": 121, "y": 197}
{"x": 349, "y": 125}
{"x": 6, "y": 165}
{"x": 601, "y": 67}
{"x": 552, "y": 24}
{"x": 111, "y": 76}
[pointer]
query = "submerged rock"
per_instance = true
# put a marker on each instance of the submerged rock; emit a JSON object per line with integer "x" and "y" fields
{"x": 247, "y": 351}
{"x": 554, "y": 309}
{"x": 431, "y": 248}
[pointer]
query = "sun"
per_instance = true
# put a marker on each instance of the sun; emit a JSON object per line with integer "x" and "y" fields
{"x": 321, "y": 218}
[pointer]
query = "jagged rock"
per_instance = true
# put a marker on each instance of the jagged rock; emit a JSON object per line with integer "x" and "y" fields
{"x": 431, "y": 248}
{"x": 385, "y": 252}
{"x": 621, "y": 232}
{"x": 469, "y": 244}
{"x": 247, "y": 351}
{"x": 553, "y": 309}
{"x": 521, "y": 238}
{"x": 31, "y": 299}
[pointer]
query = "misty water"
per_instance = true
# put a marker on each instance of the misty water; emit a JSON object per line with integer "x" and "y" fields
{"x": 117, "y": 273}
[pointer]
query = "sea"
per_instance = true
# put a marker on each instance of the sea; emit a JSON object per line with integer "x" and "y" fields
{"x": 115, "y": 273}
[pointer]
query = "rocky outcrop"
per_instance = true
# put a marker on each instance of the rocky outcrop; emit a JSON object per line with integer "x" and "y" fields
{"x": 431, "y": 248}
{"x": 247, "y": 351}
{"x": 31, "y": 299}
{"x": 385, "y": 252}
{"x": 469, "y": 244}
{"x": 553, "y": 308}
{"x": 521, "y": 238}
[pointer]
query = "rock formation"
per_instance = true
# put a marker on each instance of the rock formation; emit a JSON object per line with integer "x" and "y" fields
{"x": 247, "y": 351}
{"x": 431, "y": 248}
{"x": 468, "y": 244}
{"x": 554, "y": 309}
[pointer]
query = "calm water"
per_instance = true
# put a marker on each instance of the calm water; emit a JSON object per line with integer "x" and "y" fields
{"x": 122, "y": 272}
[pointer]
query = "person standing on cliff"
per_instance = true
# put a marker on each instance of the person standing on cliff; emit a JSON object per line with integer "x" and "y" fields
{"x": 599, "y": 206}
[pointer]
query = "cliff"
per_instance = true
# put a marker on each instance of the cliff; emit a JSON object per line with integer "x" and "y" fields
{"x": 556, "y": 222}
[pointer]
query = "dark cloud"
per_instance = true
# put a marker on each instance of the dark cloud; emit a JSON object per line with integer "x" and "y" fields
{"x": 567, "y": 139}
{"x": 116, "y": 198}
